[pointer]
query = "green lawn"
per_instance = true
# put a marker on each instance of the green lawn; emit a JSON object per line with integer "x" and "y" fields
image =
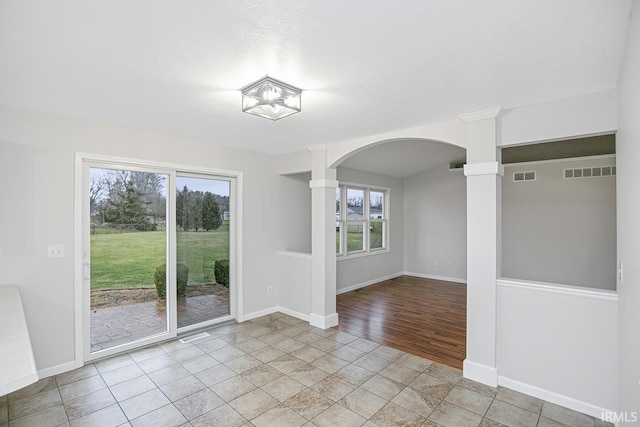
{"x": 354, "y": 238}
{"x": 129, "y": 259}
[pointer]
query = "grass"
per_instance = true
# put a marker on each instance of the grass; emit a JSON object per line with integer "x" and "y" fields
{"x": 126, "y": 260}
{"x": 354, "y": 238}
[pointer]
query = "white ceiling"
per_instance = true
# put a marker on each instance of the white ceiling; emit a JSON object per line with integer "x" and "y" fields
{"x": 403, "y": 159}
{"x": 366, "y": 66}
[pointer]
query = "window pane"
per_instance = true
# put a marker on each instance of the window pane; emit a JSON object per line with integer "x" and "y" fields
{"x": 337, "y": 203}
{"x": 376, "y": 235}
{"x": 355, "y": 233}
{"x": 355, "y": 204}
{"x": 376, "y": 205}
{"x": 338, "y": 251}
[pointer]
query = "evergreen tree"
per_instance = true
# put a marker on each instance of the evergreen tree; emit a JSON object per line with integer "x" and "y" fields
{"x": 128, "y": 208}
{"x": 210, "y": 212}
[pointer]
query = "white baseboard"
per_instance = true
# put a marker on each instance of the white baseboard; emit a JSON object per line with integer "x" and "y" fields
{"x": 367, "y": 283}
{"x": 256, "y": 314}
{"x": 434, "y": 277}
{"x": 293, "y": 313}
{"x": 551, "y": 397}
{"x": 58, "y": 369}
{"x": 480, "y": 373}
{"x": 323, "y": 322}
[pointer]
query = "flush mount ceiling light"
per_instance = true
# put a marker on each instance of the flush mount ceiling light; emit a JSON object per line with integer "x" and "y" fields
{"x": 271, "y": 99}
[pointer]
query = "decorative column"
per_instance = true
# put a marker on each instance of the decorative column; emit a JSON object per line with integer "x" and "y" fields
{"x": 323, "y": 240}
{"x": 484, "y": 173}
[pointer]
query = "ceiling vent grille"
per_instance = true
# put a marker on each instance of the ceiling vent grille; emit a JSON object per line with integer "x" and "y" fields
{"x": 524, "y": 176}
{"x": 595, "y": 172}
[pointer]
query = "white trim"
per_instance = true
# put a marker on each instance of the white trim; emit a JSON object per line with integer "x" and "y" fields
{"x": 323, "y": 322}
{"x": 171, "y": 169}
{"x": 256, "y": 314}
{"x": 481, "y": 373}
{"x": 435, "y": 277}
{"x": 293, "y": 254}
{"x": 59, "y": 369}
{"x": 78, "y": 229}
{"x": 362, "y": 254}
{"x": 317, "y": 147}
{"x": 491, "y": 113}
{"x": 323, "y": 183}
{"x": 293, "y": 313}
{"x": 576, "y": 291}
{"x": 551, "y": 397}
{"x": 368, "y": 283}
{"x": 568, "y": 159}
{"x": 486, "y": 168}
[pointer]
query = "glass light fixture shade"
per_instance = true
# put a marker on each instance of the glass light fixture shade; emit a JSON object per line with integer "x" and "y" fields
{"x": 271, "y": 99}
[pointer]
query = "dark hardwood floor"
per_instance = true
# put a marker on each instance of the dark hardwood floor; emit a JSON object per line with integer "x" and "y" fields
{"x": 424, "y": 317}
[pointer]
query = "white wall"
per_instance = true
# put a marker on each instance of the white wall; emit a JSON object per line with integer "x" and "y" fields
{"x": 435, "y": 206}
{"x": 294, "y": 209}
{"x": 628, "y": 156}
{"x": 37, "y": 193}
{"x": 560, "y": 230}
{"x": 352, "y": 272}
{"x": 588, "y": 114}
{"x": 294, "y": 273}
{"x": 559, "y": 344}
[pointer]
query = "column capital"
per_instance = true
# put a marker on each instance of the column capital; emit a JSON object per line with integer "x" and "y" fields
{"x": 323, "y": 183}
{"x": 486, "y": 168}
{"x": 491, "y": 113}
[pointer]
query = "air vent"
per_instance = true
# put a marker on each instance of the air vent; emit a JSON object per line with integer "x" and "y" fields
{"x": 595, "y": 172}
{"x": 194, "y": 337}
{"x": 524, "y": 176}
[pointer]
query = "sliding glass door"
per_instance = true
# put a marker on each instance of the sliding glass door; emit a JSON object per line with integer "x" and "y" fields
{"x": 202, "y": 236}
{"x": 128, "y": 255}
{"x": 156, "y": 254}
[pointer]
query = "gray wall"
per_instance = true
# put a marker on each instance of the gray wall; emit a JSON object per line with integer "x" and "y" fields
{"x": 355, "y": 271}
{"x": 294, "y": 209}
{"x": 435, "y": 207}
{"x": 560, "y": 230}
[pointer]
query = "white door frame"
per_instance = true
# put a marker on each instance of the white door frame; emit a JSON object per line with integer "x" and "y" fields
{"x": 81, "y": 296}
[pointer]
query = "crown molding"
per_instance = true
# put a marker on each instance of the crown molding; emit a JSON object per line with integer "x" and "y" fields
{"x": 481, "y": 115}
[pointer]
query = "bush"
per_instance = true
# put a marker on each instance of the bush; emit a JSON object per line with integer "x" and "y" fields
{"x": 160, "y": 279}
{"x": 221, "y": 271}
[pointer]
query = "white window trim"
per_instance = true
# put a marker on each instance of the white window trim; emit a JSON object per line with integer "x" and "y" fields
{"x": 235, "y": 241}
{"x": 343, "y": 254}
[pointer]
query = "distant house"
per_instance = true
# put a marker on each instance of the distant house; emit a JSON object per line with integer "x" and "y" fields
{"x": 225, "y": 216}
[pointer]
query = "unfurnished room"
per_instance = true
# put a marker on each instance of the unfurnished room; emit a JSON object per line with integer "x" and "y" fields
{"x": 306, "y": 213}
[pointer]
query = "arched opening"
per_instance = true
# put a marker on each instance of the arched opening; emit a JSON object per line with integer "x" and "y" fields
{"x": 401, "y": 246}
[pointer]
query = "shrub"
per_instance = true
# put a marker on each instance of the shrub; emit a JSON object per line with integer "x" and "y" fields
{"x": 160, "y": 279}
{"x": 221, "y": 271}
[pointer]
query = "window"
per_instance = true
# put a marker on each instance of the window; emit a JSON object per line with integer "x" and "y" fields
{"x": 361, "y": 219}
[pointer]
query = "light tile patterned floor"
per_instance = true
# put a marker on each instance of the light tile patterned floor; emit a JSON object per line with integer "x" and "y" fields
{"x": 274, "y": 371}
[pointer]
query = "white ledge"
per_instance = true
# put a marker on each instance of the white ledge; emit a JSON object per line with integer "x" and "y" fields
{"x": 18, "y": 367}
{"x": 294, "y": 254}
{"x": 556, "y": 288}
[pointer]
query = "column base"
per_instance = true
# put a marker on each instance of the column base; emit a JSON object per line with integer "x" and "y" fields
{"x": 323, "y": 322}
{"x": 484, "y": 374}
